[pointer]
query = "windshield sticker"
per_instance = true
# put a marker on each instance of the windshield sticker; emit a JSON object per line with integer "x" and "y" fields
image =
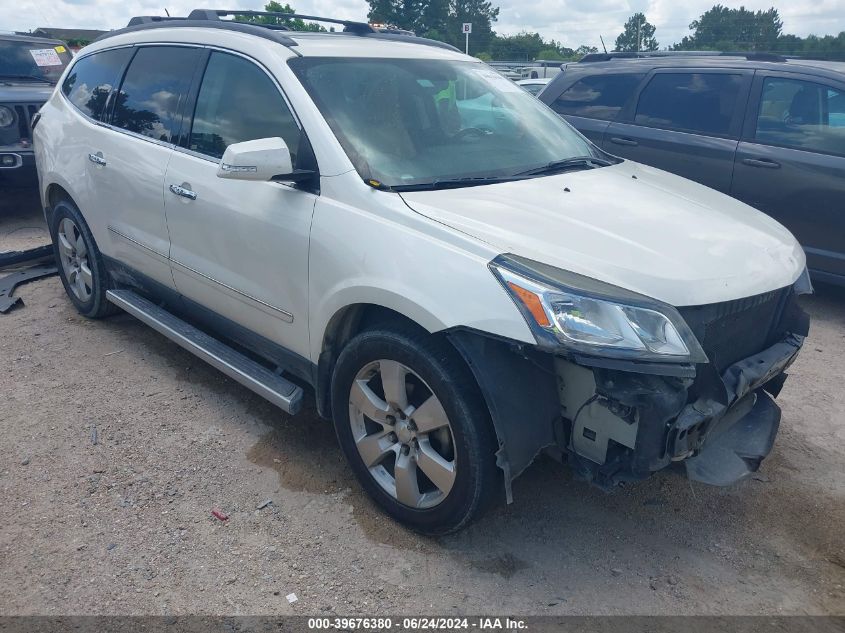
{"x": 60, "y": 49}
{"x": 502, "y": 83}
{"x": 45, "y": 57}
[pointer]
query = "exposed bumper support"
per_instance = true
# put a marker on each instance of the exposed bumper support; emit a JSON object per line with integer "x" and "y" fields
{"x": 617, "y": 423}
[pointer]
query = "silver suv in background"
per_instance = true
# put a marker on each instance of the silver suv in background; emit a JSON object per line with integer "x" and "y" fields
{"x": 767, "y": 130}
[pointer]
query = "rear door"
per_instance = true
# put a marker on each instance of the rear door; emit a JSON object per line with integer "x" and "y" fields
{"x": 128, "y": 159}
{"x": 592, "y": 102}
{"x": 686, "y": 121}
{"x": 791, "y": 161}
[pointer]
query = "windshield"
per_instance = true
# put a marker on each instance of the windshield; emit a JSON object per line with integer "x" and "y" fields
{"x": 407, "y": 122}
{"x": 32, "y": 61}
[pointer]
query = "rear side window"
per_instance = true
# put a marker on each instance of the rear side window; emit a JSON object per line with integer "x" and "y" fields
{"x": 92, "y": 79}
{"x": 153, "y": 91}
{"x": 597, "y": 97}
{"x": 238, "y": 102}
{"x": 802, "y": 114}
{"x": 693, "y": 102}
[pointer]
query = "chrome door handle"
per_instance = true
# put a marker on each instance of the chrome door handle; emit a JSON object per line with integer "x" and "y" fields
{"x": 180, "y": 190}
{"x": 97, "y": 159}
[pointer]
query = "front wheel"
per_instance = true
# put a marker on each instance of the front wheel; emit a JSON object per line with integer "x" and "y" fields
{"x": 411, "y": 422}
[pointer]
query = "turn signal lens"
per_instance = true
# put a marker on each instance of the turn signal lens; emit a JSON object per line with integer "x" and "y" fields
{"x": 532, "y": 303}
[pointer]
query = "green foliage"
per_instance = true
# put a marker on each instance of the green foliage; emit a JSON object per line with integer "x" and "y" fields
{"x": 550, "y": 54}
{"x": 637, "y": 26}
{"x": 295, "y": 24}
{"x": 726, "y": 29}
{"x": 720, "y": 28}
{"x": 485, "y": 57}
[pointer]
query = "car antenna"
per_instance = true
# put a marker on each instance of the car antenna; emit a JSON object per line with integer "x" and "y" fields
{"x": 602, "y": 44}
{"x": 167, "y": 12}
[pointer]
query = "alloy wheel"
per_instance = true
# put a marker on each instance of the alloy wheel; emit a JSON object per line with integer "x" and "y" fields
{"x": 402, "y": 434}
{"x": 74, "y": 257}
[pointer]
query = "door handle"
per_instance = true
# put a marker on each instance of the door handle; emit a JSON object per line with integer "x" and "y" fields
{"x": 623, "y": 141}
{"x": 97, "y": 159}
{"x": 184, "y": 191}
{"x": 761, "y": 162}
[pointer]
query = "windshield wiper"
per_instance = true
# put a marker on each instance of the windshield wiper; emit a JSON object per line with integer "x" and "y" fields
{"x": 455, "y": 183}
{"x": 33, "y": 77}
{"x": 577, "y": 162}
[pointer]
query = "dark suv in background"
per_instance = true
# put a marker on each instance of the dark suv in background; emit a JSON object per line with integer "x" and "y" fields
{"x": 29, "y": 68}
{"x": 767, "y": 130}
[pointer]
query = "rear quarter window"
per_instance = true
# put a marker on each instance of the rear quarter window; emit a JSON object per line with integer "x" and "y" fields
{"x": 92, "y": 79}
{"x": 598, "y": 96}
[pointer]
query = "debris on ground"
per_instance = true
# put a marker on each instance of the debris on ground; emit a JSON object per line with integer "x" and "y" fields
{"x": 220, "y": 515}
{"x": 263, "y": 504}
{"x": 291, "y": 598}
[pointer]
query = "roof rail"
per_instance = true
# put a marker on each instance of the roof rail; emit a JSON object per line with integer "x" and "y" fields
{"x": 210, "y": 18}
{"x": 749, "y": 55}
{"x": 145, "y": 23}
{"x": 215, "y": 14}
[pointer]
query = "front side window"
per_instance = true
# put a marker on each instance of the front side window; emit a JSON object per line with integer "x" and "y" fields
{"x": 803, "y": 115}
{"x": 412, "y": 122}
{"x": 92, "y": 79}
{"x": 238, "y": 102}
{"x": 29, "y": 60}
{"x": 690, "y": 102}
{"x": 153, "y": 90}
{"x": 597, "y": 97}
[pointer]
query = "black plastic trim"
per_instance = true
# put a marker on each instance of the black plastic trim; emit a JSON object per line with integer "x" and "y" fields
{"x": 226, "y": 25}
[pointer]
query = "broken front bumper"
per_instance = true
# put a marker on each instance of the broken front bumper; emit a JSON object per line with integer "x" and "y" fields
{"x": 619, "y": 421}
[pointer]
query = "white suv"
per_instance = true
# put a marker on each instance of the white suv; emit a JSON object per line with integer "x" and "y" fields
{"x": 458, "y": 277}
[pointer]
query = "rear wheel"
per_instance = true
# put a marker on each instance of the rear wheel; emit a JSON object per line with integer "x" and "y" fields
{"x": 81, "y": 265}
{"x": 414, "y": 428}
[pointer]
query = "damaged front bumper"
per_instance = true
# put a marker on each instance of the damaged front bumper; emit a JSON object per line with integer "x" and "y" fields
{"x": 622, "y": 421}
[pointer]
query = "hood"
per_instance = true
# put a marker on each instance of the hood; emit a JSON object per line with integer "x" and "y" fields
{"x": 629, "y": 225}
{"x": 17, "y": 91}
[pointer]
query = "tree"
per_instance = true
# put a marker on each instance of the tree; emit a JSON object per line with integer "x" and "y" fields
{"x": 585, "y": 50}
{"x": 725, "y": 29}
{"x": 439, "y": 19}
{"x": 638, "y": 35}
{"x": 295, "y": 24}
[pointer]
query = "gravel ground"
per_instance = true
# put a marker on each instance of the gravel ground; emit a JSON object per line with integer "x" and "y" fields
{"x": 118, "y": 445}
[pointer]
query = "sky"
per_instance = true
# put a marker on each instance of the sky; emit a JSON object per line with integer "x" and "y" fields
{"x": 572, "y": 22}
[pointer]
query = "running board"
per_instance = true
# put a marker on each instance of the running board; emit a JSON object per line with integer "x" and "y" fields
{"x": 246, "y": 371}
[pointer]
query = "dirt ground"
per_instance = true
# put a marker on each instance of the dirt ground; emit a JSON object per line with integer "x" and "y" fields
{"x": 117, "y": 445}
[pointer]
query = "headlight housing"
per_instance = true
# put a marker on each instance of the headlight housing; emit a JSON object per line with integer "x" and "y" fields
{"x": 580, "y": 314}
{"x": 7, "y": 117}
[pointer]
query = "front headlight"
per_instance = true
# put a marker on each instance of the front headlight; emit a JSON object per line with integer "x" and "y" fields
{"x": 7, "y": 117}
{"x": 575, "y": 312}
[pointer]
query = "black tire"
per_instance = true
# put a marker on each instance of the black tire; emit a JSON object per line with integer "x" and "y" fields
{"x": 96, "y": 306}
{"x": 437, "y": 363}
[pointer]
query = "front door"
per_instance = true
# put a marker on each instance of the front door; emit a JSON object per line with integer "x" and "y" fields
{"x": 240, "y": 248}
{"x": 791, "y": 162}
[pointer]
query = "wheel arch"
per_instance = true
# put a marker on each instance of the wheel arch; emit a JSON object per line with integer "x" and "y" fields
{"x": 342, "y": 326}
{"x": 53, "y": 194}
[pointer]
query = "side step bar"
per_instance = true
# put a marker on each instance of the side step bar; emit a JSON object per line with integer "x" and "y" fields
{"x": 246, "y": 371}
